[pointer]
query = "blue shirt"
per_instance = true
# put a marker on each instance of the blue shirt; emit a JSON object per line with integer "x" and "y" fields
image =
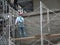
{"x": 20, "y": 21}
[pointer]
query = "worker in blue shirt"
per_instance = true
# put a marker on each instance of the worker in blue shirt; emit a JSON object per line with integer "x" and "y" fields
{"x": 20, "y": 23}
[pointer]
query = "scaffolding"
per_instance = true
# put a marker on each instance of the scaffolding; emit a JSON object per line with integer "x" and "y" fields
{"x": 42, "y": 26}
{"x": 4, "y": 35}
{"x": 10, "y": 38}
{"x": 43, "y": 6}
{"x": 49, "y": 19}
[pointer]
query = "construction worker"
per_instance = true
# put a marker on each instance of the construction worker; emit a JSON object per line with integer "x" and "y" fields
{"x": 20, "y": 23}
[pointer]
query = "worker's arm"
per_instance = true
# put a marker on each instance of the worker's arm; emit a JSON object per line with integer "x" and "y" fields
{"x": 16, "y": 21}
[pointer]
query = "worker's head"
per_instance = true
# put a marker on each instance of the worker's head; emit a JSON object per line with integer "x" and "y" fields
{"x": 20, "y": 12}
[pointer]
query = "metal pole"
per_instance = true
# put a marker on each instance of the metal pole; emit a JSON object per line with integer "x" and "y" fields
{"x": 6, "y": 6}
{"x": 41, "y": 18}
{"x": 48, "y": 21}
{"x": 9, "y": 29}
{"x": 3, "y": 7}
{"x": 13, "y": 26}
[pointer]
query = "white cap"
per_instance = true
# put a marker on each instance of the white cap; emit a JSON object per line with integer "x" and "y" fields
{"x": 20, "y": 11}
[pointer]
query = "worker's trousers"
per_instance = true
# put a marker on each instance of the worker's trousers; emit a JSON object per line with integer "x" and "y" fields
{"x": 22, "y": 32}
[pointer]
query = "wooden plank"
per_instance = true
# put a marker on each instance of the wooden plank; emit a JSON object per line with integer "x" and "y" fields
{"x": 26, "y": 38}
{"x": 37, "y": 37}
{"x": 36, "y": 13}
{"x": 53, "y": 35}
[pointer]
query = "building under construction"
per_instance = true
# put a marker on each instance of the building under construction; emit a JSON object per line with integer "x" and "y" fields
{"x": 42, "y": 22}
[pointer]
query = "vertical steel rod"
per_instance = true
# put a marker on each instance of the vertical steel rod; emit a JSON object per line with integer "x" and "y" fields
{"x": 41, "y": 18}
{"x": 9, "y": 26}
{"x": 48, "y": 21}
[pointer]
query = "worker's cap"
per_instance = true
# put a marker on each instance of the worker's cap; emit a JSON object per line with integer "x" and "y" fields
{"x": 20, "y": 12}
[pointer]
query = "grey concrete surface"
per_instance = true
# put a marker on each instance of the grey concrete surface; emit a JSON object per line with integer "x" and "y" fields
{"x": 51, "y": 4}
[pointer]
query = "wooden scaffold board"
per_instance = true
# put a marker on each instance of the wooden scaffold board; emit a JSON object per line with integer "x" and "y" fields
{"x": 37, "y": 37}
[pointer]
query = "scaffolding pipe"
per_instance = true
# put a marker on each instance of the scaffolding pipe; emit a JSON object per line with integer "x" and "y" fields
{"x": 9, "y": 30}
{"x": 9, "y": 27}
{"x": 48, "y": 21}
{"x": 3, "y": 7}
{"x": 6, "y": 6}
{"x": 13, "y": 26}
{"x": 41, "y": 18}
